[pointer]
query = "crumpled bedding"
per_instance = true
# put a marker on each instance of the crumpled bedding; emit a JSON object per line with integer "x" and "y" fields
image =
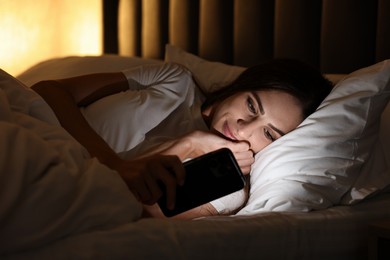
{"x": 57, "y": 203}
{"x": 49, "y": 186}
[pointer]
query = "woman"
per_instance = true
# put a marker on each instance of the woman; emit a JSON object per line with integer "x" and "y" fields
{"x": 261, "y": 105}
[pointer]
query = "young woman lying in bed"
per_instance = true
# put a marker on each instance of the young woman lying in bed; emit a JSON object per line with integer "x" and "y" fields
{"x": 158, "y": 110}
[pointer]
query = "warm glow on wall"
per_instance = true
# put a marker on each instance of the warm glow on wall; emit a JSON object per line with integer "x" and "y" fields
{"x": 33, "y": 31}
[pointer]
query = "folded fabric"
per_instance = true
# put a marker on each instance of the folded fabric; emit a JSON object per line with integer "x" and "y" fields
{"x": 49, "y": 186}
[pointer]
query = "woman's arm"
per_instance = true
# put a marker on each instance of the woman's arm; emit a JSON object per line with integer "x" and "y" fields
{"x": 164, "y": 84}
{"x": 87, "y": 89}
{"x": 155, "y": 92}
{"x": 65, "y": 96}
{"x": 205, "y": 210}
{"x": 142, "y": 175}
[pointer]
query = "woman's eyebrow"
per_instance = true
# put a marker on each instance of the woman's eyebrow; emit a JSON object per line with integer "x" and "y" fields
{"x": 261, "y": 108}
{"x": 277, "y": 130}
{"x": 259, "y": 104}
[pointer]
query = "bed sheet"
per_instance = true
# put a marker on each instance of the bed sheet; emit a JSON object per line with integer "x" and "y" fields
{"x": 337, "y": 233}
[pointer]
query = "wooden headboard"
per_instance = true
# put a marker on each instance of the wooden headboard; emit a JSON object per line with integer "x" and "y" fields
{"x": 336, "y": 36}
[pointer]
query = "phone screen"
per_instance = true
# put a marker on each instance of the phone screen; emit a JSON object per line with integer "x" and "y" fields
{"x": 208, "y": 177}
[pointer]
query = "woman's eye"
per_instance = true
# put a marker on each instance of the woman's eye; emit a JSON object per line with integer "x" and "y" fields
{"x": 268, "y": 135}
{"x": 251, "y": 106}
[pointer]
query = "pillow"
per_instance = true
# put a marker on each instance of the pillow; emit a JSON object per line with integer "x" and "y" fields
{"x": 208, "y": 75}
{"x": 334, "y": 157}
{"x": 384, "y": 135}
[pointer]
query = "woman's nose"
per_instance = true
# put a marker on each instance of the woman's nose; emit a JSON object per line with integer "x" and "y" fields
{"x": 246, "y": 128}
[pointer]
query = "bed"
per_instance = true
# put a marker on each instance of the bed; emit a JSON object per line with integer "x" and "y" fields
{"x": 313, "y": 199}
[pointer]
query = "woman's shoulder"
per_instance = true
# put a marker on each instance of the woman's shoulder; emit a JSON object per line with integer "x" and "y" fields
{"x": 178, "y": 68}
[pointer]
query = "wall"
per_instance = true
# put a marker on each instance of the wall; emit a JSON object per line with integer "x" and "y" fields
{"x": 33, "y": 31}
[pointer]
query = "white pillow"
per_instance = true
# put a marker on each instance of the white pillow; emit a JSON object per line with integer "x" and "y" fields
{"x": 384, "y": 135}
{"x": 333, "y": 157}
{"x": 209, "y": 75}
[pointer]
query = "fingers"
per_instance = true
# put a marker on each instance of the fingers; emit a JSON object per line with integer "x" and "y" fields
{"x": 167, "y": 178}
{"x": 150, "y": 177}
{"x": 243, "y": 154}
{"x": 241, "y": 146}
{"x": 141, "y": 190}
{"x": 152, "y": 191}
{"x": 175, "y": 166}
{"x": 246, "y": 169}
{"x": 245, "y": 160}
{"x": 176, "y": 170}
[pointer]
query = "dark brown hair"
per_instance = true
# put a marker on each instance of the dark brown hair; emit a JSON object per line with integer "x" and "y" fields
{"x": 295, "y": 77}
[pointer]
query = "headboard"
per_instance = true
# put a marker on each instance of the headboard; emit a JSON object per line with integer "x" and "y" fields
{"x": 336, "y": 36}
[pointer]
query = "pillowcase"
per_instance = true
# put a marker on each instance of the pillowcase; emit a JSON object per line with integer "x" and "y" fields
{"x": 384, "y": 131}
{"x": 208, "y": 75}
{"x": 334, "y": 157}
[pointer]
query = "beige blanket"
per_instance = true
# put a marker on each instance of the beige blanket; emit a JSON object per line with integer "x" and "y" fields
{"x": 49, "y": 187}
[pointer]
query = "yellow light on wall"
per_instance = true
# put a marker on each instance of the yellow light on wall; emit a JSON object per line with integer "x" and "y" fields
{"x": 33, "y": 31}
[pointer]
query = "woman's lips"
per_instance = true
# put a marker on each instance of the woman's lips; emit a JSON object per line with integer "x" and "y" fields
{"x": 227, "y": 132}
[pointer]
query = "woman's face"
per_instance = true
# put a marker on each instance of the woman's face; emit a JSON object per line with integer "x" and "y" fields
{"x": 256, "y": 117}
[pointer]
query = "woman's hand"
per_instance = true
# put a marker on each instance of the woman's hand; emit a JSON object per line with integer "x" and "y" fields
{"x": 205, "y": 142}
{"x": 146, "y": 177}
{"x": 198, "y": 143}
{"x": 245, "y": 159}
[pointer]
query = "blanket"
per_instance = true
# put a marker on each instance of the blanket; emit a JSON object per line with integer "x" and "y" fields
{"x": 50, "y": 188}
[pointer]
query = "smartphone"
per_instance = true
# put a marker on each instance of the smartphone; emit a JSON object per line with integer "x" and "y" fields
{"x": 208, "y": 177}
